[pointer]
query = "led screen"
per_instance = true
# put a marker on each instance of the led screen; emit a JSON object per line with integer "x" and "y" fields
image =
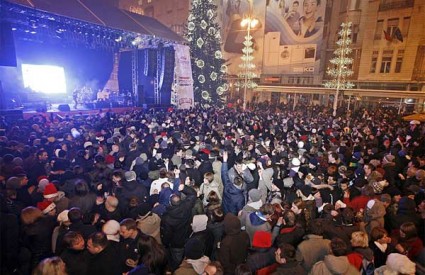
{"x": 44, "y": 78}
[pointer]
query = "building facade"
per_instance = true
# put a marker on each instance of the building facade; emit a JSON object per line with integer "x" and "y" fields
{"x": 388, "y": 42}
{"x": 171, "y": 13}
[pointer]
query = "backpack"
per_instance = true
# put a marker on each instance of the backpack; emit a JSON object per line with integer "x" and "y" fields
{"x": 367, "y": 268}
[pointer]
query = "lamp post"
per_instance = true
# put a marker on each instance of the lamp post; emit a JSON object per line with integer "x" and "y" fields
{"x": 248, "y": 23}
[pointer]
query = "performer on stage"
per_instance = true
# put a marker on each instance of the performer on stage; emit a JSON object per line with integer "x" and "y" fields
{"x": 75, "y": 96}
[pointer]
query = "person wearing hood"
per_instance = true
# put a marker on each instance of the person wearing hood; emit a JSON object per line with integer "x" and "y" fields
{"x": 335, "y": 263}
{"x": 195, "y": 261}
{"x": 200, "y": 232}
{"x": 233, "y": 249}
{"x": 253, "y": 205}
{"x": 260, "y": 221}
{"x": 234, "y": 191}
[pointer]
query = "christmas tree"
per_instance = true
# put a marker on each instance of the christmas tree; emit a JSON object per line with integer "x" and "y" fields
{"x": 340, "y": 69}
{"x": 203, "y": 35}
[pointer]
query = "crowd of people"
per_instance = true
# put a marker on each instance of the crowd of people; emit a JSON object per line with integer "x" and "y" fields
{"x": 213, "y": 191}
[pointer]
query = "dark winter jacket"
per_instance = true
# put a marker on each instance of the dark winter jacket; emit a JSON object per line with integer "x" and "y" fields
{"x": 234, "y": 246}
{"x": 233, "y": 197}
{"x": 175, "y": 223}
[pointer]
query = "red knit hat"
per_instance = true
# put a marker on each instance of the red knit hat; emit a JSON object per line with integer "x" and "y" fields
{"x": 50, "y": 191}
{"x": 262, "y": 239}
{"x": 46, "y": 206}
{"x": 109, "y": 159}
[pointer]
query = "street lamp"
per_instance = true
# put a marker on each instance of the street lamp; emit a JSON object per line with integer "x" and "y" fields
{"x": 247, "y": 65}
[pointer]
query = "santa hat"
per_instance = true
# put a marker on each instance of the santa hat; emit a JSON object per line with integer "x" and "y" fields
{"x": 46, "y": 206}
{"x": 50, "y": 191}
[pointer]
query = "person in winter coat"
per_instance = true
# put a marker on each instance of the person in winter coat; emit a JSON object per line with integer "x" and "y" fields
{"x": 131, "y": 188}
{"x": 261, "y": 259}
{"x": 314, "y": 248}
{"x": 287, "y": 264}
{"x": 36, "y": 236}
{"x": 195, "y": 261}
{"x": 397, "y": 264}
{"x": 335, "y": 263}
{"x": 175, "y": 224}
{"x": 409, "y": 243}
{"x": 200, "y": 232}
{"x": 75, "y": 256}
{"x": 361, "y": 251}
{"x": 209, "y": 185}
{"x": 234, "y": 191}
{"x": 381, "y": 246}
{"x": 290, "y": 233}
{"x": 374, "y": 215}
{"x": 233, "y": 249}
{"x": 147, "y": 222}
{"x": 259, "y": 220}
{"x": 105, "y": 257}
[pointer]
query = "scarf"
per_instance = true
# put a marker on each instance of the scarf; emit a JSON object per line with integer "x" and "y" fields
{"x": 199, "y": 264}
{"x": 382, "y": 247}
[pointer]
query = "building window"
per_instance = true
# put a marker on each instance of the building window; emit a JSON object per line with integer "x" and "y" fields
{"x": 343, "y": 5}
{"x": 406, "y": 25}
{"x": 378, "y": 30}
{"x": 399, "y": 61}
{"x": 386, "y": 61}
{"x": 354, "y": 33}
{"x": 392, "y": 25}
{"x": 374, "y": 62}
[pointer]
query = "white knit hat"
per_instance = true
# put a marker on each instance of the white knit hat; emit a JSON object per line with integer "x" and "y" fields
{"x": 112, "y": 230}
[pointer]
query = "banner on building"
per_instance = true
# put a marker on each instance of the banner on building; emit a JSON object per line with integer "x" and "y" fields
{"x": 294, "y": 32}
{"x": 183, "y": 83}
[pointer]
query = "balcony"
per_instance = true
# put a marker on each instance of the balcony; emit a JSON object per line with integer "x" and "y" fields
{"x": 395, "y": 4}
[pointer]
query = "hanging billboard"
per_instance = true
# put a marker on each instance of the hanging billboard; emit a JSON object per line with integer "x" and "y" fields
{"x": 293, "y": 36}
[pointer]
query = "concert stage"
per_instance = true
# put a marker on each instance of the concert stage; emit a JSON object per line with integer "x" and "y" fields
{"x": 79, "y": 111}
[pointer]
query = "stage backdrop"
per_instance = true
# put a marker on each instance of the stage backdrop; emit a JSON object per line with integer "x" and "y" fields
{"x": 183, "y": 83}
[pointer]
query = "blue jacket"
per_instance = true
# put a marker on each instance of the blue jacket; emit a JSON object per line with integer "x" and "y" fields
{"x": 233, "y": 197}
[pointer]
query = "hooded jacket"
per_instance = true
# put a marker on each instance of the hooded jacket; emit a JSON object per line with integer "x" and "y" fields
{"x": 333, "y": 265}
{"x": 233, "y": 249}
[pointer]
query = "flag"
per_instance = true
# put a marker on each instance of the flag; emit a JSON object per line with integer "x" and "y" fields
{"x": 397, "y": 34}
{"x": 388, "y": 37}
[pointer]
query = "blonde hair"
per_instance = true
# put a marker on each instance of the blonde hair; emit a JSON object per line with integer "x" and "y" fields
{"x": 50, "y": 266}
{"x": 359, "y": 239}
{"x": 30, "y": 214}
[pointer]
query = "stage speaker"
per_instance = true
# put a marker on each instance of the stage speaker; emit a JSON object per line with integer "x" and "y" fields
{"x": 64, "y": 108}
{"x": 140, "y": 95}
{"x": 7, "y": 46}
